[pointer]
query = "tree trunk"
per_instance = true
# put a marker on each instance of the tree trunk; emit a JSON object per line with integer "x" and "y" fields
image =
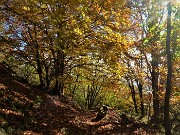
{"x": 39, "y": 67}
{"x": 141, "y": 97}
{"x": 154, "y": 79}
{"x": 47, "y": 76}
{"x": 133, "y": 94}
{"x": 167, "y": 124}
{"x": 62, "y": 59}
{"x": 59, "y": 73}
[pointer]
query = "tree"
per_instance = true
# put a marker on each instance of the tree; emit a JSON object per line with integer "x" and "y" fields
{"x": 150, "y": 47}
{"x": 167, "y": 124}
{"x": 53, "y": 35}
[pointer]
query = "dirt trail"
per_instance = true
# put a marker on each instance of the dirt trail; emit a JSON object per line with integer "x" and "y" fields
{"x": 24, "y": 110}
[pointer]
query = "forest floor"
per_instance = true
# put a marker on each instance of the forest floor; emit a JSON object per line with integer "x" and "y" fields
{"x": 24, "y": 110}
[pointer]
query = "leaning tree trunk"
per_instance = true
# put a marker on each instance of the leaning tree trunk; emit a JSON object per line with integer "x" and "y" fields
{"x": 133, "y": 94}
{"x": 39, "y": 68}
{"x": 169, "y": 74}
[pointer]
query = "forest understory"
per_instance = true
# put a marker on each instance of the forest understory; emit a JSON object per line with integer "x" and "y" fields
{"x": 28, "y": 111}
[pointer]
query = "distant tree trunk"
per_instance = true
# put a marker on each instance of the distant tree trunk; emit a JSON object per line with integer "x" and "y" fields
{"x": 141, "y": 96}
{"x": 167, "y": 124}
{"x": 133, "y": 94}
{"x": 62, "y": 60}
{"x": 74, "y": 88}
{"x": 92, "y": 93}
{"x": 59, "y": 61}
{"x": 154, "y": 79}
{"x": 47, "y": 76}
{"x": 59, "y": 73}
{"x": 39, "y": 67}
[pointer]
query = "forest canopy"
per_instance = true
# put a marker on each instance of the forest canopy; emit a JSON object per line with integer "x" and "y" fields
{"x": 112, "y": 52}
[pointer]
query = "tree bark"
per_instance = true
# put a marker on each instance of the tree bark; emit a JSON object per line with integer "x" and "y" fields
{"x": 167, "y": 124}
{"x": 154, "y": 79}
{"x": 133, "y": 94}
{"x": 141, "y": 96}
{"x": 39, "y": 67}
{"x": 59, "y": 73}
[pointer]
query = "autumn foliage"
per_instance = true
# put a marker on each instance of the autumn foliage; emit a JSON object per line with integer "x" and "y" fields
{"x": 96, "y": 52}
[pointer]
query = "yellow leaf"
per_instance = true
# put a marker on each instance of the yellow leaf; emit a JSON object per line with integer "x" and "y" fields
{"x": 78, "y": 31}
{"x": 26, "y": 8}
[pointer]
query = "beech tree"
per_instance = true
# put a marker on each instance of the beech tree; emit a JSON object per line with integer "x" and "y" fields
{"x": 167, "y": 124}
{"x": 172, "y": 54}
{"x": 52, "y": 36}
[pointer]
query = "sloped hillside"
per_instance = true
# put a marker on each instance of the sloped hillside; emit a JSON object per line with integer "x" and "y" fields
{"x": 24, "y": 110}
